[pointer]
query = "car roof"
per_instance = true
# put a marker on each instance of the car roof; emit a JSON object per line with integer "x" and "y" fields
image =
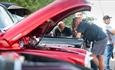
{"x": 7, "y": 4}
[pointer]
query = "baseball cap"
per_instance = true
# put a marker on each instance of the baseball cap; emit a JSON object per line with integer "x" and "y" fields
{"x": 106, "y": 17}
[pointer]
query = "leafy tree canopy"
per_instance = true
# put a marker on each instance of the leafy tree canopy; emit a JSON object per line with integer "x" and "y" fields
{"x": 32, "y": 5}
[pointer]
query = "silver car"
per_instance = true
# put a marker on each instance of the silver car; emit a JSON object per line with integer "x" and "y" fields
{"x": 7, "y": 19}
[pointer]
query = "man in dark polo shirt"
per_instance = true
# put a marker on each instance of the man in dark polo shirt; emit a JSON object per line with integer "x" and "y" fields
{"x": 95, "y": 34}
{"x": 62, "y": 30}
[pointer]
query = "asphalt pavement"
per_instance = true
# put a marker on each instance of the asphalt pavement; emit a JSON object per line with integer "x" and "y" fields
{"x": 112, "y": 61}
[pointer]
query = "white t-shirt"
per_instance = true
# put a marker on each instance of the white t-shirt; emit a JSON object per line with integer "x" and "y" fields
{"x": 110, "y": 27}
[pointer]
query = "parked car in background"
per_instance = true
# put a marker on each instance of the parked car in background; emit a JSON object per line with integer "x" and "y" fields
{"x": 26, "y": 38}
{"x": 13, "y": 8}
{"x": 6, "y": 18}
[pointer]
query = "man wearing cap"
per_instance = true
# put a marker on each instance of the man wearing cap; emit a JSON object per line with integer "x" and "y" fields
{"x": 111, "y": 41}
{"x": 95, "y": 34}
{"x": 76, "y": 20}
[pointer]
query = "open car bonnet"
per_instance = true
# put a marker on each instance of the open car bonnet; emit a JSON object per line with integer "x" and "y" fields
{"x": 44, "y": 19}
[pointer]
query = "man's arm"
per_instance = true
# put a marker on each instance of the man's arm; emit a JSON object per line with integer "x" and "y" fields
{"x": 113, "y": 32}
{"x": 112, "y": 29}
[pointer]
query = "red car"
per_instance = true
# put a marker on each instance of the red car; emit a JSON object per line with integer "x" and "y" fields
{"x": 21, "y": 38}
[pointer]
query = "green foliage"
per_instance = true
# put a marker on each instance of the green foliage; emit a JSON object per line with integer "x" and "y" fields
{"x": 89, "y": 18}
{"x": 68, "y": 20}
{"x": 32, "y": 5}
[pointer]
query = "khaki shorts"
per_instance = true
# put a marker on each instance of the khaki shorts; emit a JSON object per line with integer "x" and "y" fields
{"x": 99, "y": 47}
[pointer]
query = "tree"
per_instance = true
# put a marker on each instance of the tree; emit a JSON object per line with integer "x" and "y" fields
{"x": 32, "y": 5}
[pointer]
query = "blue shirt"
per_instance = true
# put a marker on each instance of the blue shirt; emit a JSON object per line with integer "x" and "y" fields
{"x": 91, "y": 31}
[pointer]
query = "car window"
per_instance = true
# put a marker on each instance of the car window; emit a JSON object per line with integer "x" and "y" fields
{"x": 17, "y": 18}
{"x": 5, "y": 19}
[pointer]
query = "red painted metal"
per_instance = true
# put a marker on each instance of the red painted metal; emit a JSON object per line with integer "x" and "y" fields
{"x": 64, "y": 56}
{"x": 10, "y": 39}
{"x": 39, "y": 17}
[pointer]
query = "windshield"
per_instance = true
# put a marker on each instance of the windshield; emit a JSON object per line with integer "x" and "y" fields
{"x": 5, "y": 19}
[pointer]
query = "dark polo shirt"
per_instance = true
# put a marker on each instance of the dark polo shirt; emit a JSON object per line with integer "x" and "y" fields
{"x": 91, "y": 31}
{"x": 66, "y": 32}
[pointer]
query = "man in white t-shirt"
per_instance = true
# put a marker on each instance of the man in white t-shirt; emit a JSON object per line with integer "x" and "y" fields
{"x": 111, "y": 41}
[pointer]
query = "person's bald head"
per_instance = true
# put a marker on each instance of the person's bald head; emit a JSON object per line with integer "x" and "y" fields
{"x": 61, "y": 25}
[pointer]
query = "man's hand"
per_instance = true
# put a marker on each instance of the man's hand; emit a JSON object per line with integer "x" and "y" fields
{"x": 78, "y": 35}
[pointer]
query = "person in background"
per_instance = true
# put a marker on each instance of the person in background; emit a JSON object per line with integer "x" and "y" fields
{"x": 93, "y": 33}
{"x": 110, "y": 30}
{"x": 62, "y": 30}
